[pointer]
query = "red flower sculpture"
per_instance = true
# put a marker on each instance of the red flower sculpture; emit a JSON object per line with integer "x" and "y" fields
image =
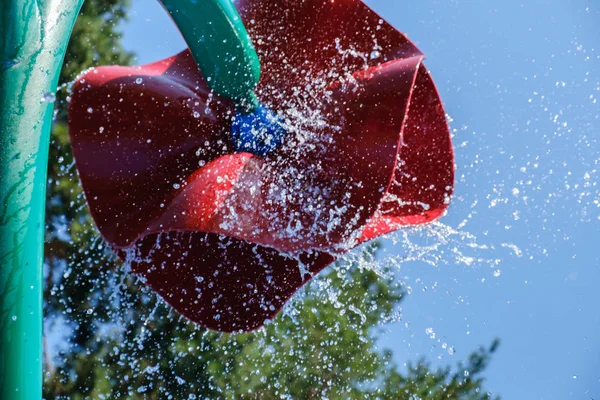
{"x": 226, "y": 238}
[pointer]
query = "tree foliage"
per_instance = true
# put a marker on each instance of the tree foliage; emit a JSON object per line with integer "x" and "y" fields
{"x": 117, "y": 340}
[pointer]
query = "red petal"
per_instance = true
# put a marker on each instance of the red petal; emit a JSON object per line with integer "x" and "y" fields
{"x": 424, "y": 179}
{"x": 300, "y": 42}
{"x": 135, "y": 142}
{"x": 222, "y": 283}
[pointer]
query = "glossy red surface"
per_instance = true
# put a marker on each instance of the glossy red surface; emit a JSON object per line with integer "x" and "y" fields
{"x": 226, "y": 238}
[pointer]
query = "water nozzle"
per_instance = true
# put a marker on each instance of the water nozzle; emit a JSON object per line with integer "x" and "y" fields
{"x": 258, "y": 132}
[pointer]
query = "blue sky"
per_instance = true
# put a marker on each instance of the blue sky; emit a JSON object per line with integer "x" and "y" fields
{"x": 521, "y": 82}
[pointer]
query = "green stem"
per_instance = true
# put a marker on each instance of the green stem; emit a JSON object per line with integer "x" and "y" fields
{"x": 33, "y": 38}
{"x": 221, "y": 47}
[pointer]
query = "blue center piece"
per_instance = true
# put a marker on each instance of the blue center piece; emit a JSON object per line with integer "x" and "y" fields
{"x": 259, "y": 133}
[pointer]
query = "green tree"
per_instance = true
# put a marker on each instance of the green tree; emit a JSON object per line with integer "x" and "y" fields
{"x": 124, "y": 342}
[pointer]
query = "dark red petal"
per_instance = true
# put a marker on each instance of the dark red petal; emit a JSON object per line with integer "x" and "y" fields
{"x": 222, "y": 283}
{"x": 424, "y": 180}
{"x": 302, "y": 42}
{"x": 139, "y": 132}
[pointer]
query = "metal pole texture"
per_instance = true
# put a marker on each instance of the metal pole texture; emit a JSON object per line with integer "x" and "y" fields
{"x": 33, "y": 38}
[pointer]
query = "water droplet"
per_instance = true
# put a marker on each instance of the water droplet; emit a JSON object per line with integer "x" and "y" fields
{"x": 139, "y": 81}
{"x": 90, "y": 110}
{"x": 14, "y": 317}
{"x": 196, "y": 114}
{"x": 375, "y": 54}
{"x": 176, "y": 186}
{"x": 48, "y": 97}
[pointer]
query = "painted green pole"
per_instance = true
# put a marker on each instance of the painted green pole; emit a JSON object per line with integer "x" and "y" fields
{"x": 33, "y": 38}
{"x": 221, "y": 47}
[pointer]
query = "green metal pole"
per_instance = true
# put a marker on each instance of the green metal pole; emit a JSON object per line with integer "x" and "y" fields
{"x": 33, "y": 38}
{"x": 221, "y": 47}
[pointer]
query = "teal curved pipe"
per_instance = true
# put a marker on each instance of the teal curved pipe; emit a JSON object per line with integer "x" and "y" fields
{"x": 33, "y": 39}
{"x": 221, "y": 47}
